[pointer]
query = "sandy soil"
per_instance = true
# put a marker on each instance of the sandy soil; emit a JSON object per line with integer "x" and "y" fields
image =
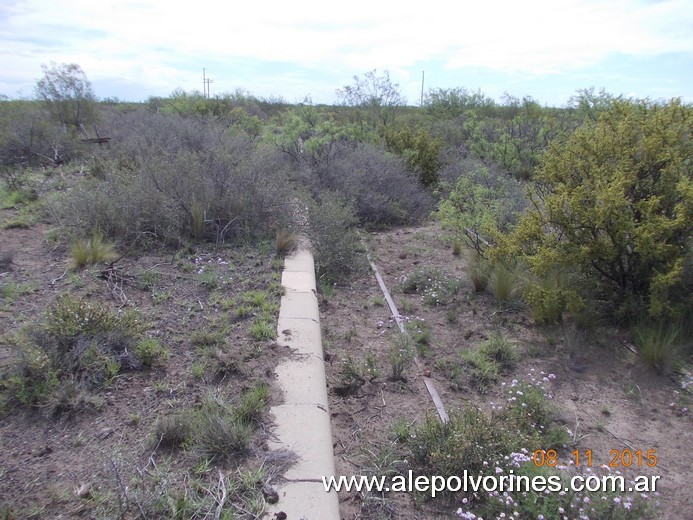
{"x": 51, "y": 467}
{"x": 605, "y": 397}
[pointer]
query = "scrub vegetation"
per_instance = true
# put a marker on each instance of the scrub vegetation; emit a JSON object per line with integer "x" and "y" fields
{"x": 141, "y": 245}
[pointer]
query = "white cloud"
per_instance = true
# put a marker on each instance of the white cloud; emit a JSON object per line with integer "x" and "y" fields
{"x": 148, "y": 40}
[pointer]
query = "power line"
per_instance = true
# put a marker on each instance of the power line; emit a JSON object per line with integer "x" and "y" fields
{"x": 205, "y": 84}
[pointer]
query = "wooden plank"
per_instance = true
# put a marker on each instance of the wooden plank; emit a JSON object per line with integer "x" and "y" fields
{"x": 428, "y": 382}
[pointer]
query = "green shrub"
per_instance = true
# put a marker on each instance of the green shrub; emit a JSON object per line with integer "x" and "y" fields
{"x": 500, "y": 349}
{"x": 549, "y": 297}
{"x": 420, "y": 150}
{"x": 75, "y": 349}
{"x": 468, "y": 440}
{"x": 149, "y": 351}
{"x": 400, "y": 356}
{"x": 482, "y": 203}
{"x": 336, "y": 245}
{"x": 613, "y": 202}
{"x": 477, "y": 442}
{"x": 162, "y": 167}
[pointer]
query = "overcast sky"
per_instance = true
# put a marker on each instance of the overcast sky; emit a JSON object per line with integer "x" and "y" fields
{"x": 546, "y": 49}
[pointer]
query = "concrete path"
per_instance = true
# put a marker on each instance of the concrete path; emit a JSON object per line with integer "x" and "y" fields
{"x": 303, "y": 420}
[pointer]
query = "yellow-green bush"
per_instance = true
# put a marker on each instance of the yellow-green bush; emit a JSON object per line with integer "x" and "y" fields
{"x": 613, "y": 203}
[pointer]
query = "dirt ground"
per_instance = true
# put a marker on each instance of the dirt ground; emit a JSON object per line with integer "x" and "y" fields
{"x": 52, "y": 467}
{"x": 605, "y": 397}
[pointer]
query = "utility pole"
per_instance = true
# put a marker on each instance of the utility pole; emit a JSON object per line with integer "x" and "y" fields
{"x": 205, "y": 84}
{"x": 423, "y": 72}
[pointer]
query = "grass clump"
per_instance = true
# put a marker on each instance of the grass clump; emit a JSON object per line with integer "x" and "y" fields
{"x": 11, "y": 291}
{"x": 352, "y": 376}
{"x": 503, "y": 283}
{"x": 205, "y": 338}
{"x": 285, "y": 242}
{"x": 92, "y": 250}
{"x": 478, "y": 270}
{"x": 499, "y": 349}
{"x": 149, "y": 351}
{"x": 253, "y": 403}
{"x": 263, "y": 328}
{"x": 219, "y": 431}
{"x": 216, "y": 428}
{"x": 484, "y": 371}
{"x": 173, "y": 431}
{"x": 489, "y": 360}
{"x": 659, "y": 344}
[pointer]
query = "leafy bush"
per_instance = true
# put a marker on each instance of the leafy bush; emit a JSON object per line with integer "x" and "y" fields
{"x": 175, "y": 178}
{"x": 419, "y": 149}
{"x": 472, "y": 440}
{"x": 29, "y": 138}
{"x": 78, "y": 347}
{"x": 381, "y": 190}
{"x": 481, "y": 204}
{"x": 336, "y": 245}
{"x": 550, "y": 296}
{"x": 614, "y": 202}
{"x": 67, "y": 94}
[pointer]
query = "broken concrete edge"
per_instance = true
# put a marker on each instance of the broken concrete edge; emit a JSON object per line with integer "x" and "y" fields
{"x": 302, "y": 421}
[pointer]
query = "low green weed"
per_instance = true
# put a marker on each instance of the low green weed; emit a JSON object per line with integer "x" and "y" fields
{"x": 500, "y": 349}
{"x": 76, "y": 349}
{"x": 400, "y": 356}
{"x": 434, "y": 286}
{"x": 263, "y": 328}
{"x": 149, "y": 351}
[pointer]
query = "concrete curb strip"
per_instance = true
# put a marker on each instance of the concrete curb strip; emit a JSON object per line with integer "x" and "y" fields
{"x": 302, "y": 422}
